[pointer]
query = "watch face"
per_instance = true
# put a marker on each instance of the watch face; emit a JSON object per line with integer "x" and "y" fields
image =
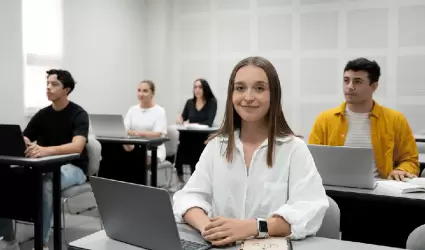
{"x": 263, "y": 226}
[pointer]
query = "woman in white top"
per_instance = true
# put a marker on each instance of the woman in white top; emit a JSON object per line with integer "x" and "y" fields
{"x": 255, "y": 177}
{"x": 146, "y": 119}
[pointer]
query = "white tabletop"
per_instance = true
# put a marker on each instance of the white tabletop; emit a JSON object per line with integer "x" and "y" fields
{"x": 195, "y": 128}
{"x": 379, "y": 191}
{"x": 419, "y": 136}
{"x": 99, "y": 241}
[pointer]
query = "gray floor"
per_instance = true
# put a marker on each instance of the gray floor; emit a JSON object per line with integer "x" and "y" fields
{"x": 77, "y": 226}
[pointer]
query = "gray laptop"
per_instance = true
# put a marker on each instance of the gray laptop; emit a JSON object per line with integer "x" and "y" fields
{"x": 345, "y": 166}
{"x": 108, "y": 125}
{"x": 139, "y": 215}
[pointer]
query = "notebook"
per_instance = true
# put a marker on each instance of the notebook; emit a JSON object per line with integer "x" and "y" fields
{"x": 278, "y": 243}
{"x": 409, "y": 185}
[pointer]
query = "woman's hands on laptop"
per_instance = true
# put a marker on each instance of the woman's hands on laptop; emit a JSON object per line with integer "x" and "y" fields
{"x": 399, "y": 175}
{"x": 223, "y": 231}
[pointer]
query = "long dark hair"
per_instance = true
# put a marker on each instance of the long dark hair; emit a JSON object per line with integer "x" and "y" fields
{"x": 208, "y": 94}
{"x": 275, "y": 117}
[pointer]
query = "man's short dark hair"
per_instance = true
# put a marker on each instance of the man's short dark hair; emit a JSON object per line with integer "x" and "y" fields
{"x": 363, "y": 64}
{"x": 64, "y": 77}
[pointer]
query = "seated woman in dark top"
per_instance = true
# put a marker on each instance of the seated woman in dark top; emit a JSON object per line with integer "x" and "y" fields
{"x": 201, "y": 109}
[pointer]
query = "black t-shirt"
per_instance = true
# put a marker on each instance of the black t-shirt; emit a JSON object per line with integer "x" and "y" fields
{"x": 54, "y": 128}
{"x": 203, "y": 116}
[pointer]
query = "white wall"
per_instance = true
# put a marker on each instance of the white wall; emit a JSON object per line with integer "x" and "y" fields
{"x": 105, "y": 50}
{"x": 159, "y": 58}
{"x": 110, "y": 45}
{"x": 309, "y": 42}
{"x": 11, "y": 60}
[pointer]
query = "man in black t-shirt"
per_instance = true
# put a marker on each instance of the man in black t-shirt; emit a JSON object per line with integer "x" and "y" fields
{"x": 61, "y": 128}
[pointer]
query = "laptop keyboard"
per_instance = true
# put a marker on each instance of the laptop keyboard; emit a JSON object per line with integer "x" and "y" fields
{"x": 190, "y": 245}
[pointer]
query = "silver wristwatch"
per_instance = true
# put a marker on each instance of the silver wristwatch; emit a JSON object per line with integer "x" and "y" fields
{"x": 263, "y": 231}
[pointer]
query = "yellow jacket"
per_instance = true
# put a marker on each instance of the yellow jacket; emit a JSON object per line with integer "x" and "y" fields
{"x": 393, "y": 143}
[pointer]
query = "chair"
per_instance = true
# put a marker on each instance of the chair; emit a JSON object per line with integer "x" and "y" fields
{"x": 331, "y": 222}
{"x": 171, "y": 149}
{"x": 94, "y": 149}
{"x": 416, "y": 239}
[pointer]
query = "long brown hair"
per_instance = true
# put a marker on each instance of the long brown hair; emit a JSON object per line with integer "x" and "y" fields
{"x": 275, "y": 117}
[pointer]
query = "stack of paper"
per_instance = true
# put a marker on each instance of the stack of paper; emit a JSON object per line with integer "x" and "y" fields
{"x": 413, "y": 185}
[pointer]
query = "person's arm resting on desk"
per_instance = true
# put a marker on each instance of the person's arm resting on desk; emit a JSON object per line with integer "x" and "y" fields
{"x": 159, "y": 127}
{"x": 305, "y": 209}
{"x": 405, "y": 151}
{"x": 192, "y": 204}
{"x": 300, "y": 216}
{"x": 79, "y": 140}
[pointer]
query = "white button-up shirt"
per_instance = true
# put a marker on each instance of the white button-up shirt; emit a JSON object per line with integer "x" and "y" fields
{"x": 292, "y": 188}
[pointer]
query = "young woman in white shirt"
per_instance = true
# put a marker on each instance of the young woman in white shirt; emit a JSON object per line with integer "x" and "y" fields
{"x": 255, "y": 177}
{"x": 146, "y": 119}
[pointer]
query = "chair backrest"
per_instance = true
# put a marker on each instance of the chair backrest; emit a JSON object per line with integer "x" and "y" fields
{"x": 416, "y": 239}
{"x": 331, "y": 222}
{"x": 172, "y": 144}
{"x": 94, "y": 152}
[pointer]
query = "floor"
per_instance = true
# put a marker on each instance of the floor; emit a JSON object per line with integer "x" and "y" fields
{"x": 77, "y": 226}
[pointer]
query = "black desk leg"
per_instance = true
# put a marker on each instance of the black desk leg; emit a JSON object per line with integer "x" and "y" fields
{"x": 143, "y": 156}
{"x": 154, "y": 166}
{"x": 38, "y": 218}
{"x": 57, "y": 234}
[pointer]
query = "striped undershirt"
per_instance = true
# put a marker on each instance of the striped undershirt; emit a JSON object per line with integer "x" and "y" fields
{"x": 359, "y": 132}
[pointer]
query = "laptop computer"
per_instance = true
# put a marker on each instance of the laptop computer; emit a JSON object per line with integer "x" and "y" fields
{"x": 108, "y": 126}
{"x": 139, "y": 215}
{"x": 12, "y": 140}
{"x": 345, "y": 166}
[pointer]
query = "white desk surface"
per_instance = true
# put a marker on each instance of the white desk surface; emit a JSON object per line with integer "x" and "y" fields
{"x": 419, "y": 136}
{"x": 194, "y": 128}
{"x": 99, "y": 241}
{"x": 379, "y": 190}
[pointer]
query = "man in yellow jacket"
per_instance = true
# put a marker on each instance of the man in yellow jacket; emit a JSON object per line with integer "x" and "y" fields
{"x": 361, "y": 122}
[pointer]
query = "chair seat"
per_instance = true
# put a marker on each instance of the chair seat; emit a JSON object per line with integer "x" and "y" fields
{"x": 76, "y": 190}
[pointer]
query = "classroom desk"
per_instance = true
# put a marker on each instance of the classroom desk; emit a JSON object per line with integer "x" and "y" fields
{"x": 380, "y": 216}
{"x": 125, "y": 166}
{"x": 27, "y": 205}
{"x": 419, "y": 137}
{"x": 99, "y": 241}
{"x": 192, "y": 139}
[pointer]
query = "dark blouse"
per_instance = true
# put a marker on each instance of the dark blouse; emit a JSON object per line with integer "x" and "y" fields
{"x": 203, "y": 116}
